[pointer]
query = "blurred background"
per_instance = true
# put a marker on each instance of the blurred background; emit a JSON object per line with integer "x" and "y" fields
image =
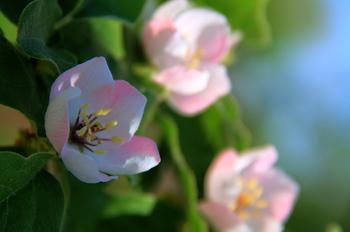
{"x": 296, "y": 95}
{"x": 293, "y": 93}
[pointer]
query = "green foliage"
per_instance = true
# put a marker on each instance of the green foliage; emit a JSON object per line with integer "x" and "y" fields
{"x": 17, "y": 76}
{"x": 246, "y": 16}
{"x": 35, "y": 26}
{"x": 223, "y": 127}
{"x": 129, "y": 203}
{"x": 38, "y": 207}
{"x": 13, "y": 8}
{"x": 188, "y": 180}
{"x": 16, "y": 171}
{"x": 104, "y": 34}
{"x": 119, "y": 9}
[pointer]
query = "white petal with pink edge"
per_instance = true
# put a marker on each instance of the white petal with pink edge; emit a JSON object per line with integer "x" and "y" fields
{"x": 182, "y": 80}
{"x": 138, "y": 155}
{"x": 57, "y": 120}
{"x": 218, "y": 86}
{"x": 86, "y": 76}
{"x": 83, "y": 166}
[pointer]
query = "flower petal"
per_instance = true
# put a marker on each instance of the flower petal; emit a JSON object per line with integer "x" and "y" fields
{"x": 206, "y": 29}
{"x": 163, "y": 44}
{"x": 280, "y": 191}
{"x": 83, "y": 166}
{"x": 57, "y": 121}
{"x": 221, "y": 169}
{"x": 138, "y": 155}
{"x": 221, "y": 217}
{"x": 181, "y": 80}
{"x": 257, "y": 160}
{"x": 171, "y": 8}
{"x": 86, "y": 76}
{"x": 127, "y": 105}
{"x": 265, "y": 224}
{"x": 218, "y": 85}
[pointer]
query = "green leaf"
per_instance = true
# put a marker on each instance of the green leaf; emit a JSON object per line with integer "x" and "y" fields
{"x": 36, "y": 208}
{"x": 86, "y": 206}
{"x": 187, "y": 177}
{"x": 13, "y": 8}
{"x": 35, "y": 26}
{"x": 97, "y": 37}
{"x": 19, "y": 86}
{"x": 16, "y": 171}
{"x": 223, "y": 127}
{"x": 129, "y": 202}
{"x": 8, "y": 28}
{"x": 247, "y": 16}
{"x": 125, "y": 10}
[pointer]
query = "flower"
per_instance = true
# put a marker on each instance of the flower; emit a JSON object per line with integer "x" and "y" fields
{"x": 247, "y": 194}
{"x": 187, "y": 45}
{"x": 91, "y": 121}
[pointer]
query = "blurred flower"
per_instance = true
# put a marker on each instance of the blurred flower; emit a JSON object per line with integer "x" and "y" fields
{"x": 187, "y": 44}
{"x": 91, "y": 121}
{"x": 247, "y": 194}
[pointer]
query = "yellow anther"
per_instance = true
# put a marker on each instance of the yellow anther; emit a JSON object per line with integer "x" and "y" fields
{"x": 82, "y": 131}
{"x": 84, "y": 107}
{"x": 100, "y": 152}
{"x": 102, "y": 112}
{"x": 193, "y": 60}
{"x": 116, "y": 139}
{"x": 261, "y": 204}
{"x": 252, "y": 184}
{"x": 111, "y": 124}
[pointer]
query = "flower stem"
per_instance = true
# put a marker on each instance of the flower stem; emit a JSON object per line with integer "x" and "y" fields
{"x": 187, "y": 178}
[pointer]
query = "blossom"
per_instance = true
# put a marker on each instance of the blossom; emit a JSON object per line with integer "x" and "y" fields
{"x": 91, "y": 121}
{"x": 187, "y": 44}
{"x": 246, "y": 193}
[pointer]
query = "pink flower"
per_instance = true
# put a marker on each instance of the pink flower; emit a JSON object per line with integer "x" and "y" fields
{"x": 187, "y": 45}
{"x": 91, "y": 121}
{"x": 246, "y": 193}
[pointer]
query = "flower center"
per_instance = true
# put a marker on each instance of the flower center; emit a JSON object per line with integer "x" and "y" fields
{"x": 249, "y": 201}
{"x": 193, "y": 60}
{"x": 86, "y": 127}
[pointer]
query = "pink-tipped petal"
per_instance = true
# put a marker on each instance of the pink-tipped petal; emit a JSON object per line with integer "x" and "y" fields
{"x": 219, "y": 216}
{"x": 57, "y": 120}
{"x": 127, "y": 105}
{"x": 206, "y": 29}
{"x": 221, "y": 169}
{"x": 138, "y": 155}
{"x": 83, "y": 166}
{"x": 163, "y": 44}
{"x": 218, "y": 86}
{"x": 215, "y": 43}
{"x": 171, "y": 8}
{"x": 181, "y": 80}
{"x": 86, "y": 76}
{"x": 265, "y": 224}
{"x": 258, "y": 160}
{"x": 280, "y": 192}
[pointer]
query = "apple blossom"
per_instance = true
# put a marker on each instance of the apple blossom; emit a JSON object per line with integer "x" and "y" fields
{"x": 91, "y": 121}
{"x": 246, "y": 193}
{"x": 187, "y": 44}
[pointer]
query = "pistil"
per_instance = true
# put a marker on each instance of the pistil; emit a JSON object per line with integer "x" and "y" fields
{"x": 85, "y": 129}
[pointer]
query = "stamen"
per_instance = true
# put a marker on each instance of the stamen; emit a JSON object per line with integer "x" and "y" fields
{"x": 102, "y": 112}
{"x": 100, "y": 152}
{"x": 82, "y": 131}
{"x": 111, "y": 124}
{"x": 116, "y": 139}
{"x": 248, "y": 202}
{"x": 84, "y": 107}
